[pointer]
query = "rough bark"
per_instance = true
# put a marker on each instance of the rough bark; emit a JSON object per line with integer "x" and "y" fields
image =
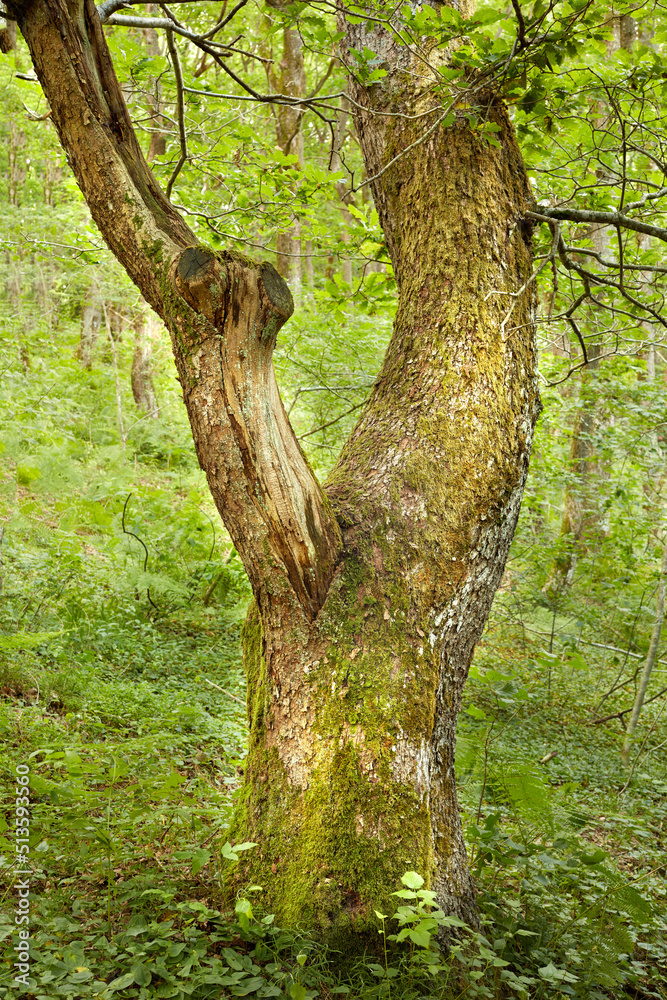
{"x": 351, "y": 765}
{"x": 359, "y": 644}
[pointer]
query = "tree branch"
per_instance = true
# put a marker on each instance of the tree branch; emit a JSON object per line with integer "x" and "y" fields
{"x": 626, "y": 711}
{"x": 180, "y": 109}
{"x": 602, "y": 218}
{"x": 223, "y": 312}
{"x": 109, "y": 7}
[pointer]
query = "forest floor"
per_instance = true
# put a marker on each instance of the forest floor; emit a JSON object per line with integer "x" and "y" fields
{"x": 133, "y": 727}
{"x": 121, "y": 692}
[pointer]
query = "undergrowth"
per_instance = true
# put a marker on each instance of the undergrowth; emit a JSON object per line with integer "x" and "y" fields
{"x": 122, "y": 692}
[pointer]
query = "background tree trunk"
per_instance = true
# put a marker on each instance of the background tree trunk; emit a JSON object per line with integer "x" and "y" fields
{"x": 649, "y": 663}
{"x": 158, "y": 140}
{"x": 582, "y": 516}
{"x": 7, "y": 34}
{"x": 143, "y": 389}
{"x": 91, "y": 320}
{"x": 292, "y": 81}
{"x": 341, "y": 186}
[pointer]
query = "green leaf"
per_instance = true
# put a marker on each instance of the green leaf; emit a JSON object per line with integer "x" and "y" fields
{"x": 122, "y": 981}
{"x": 592, "y": 859}
{"x": 412, "y": 880}
{"x": 141, "y": 974}
{"x": 421, "y": 938}
{"x": 249, "y": 986}
{"x": 245, "y": 846}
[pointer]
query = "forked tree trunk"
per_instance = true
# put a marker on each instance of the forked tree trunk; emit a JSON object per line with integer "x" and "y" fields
{"x": 351, "y": 763}
{"x": 370, "y": 595}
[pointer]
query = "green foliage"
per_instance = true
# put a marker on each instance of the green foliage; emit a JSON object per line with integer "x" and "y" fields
{"x": 569, "y": 904}
{"x": 121, "y": 599}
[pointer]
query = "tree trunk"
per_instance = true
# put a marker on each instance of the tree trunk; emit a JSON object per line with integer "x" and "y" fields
{"x": 158, "y": 140}
{"x": 369, "y": 598}
{"x": 583, "y": 519}
{"x": 143, "y": 390}
{"x": 91, "y": 320}
{"x": 289, "y": 132}
{"x": 582, "y": 516}
{"x": 44, "y": 293}
{"x": 16, "y": 164}
{"x": 351, "y": 764}
{"x": 651, "y": 657}
{"x": 341, "y": 186}
{"x": 7, "y": 35}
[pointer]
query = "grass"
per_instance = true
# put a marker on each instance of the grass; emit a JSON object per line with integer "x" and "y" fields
{"x": 122, "y": 691}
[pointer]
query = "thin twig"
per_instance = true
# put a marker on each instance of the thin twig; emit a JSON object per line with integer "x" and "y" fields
{"x": 624, "y": 711}
{"x": 180, "y": 108}
{"x": 228, "y": 693}
{"x": 206, "y": 600}
{"x": 143, "y": 545}
{"x": 225, "y": 20}
{"x": 641, "y": 749}
{"x": 330, "y": 423}
{"x": 404, "y": 152}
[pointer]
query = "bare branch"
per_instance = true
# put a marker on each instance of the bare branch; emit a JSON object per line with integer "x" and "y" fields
{"x": 180, "y": 107}
{"x": 601, "y": 218}
{"x": 106, "y": 9}
{"x": 330, "y": 423}
{"x": 403, "y": 152}
{"x": 225, "y": 20}
{"x": 521, "y": 24}
{"x": 129, "y": 21}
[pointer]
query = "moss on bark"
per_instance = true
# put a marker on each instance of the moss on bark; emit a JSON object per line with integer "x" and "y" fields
{"x": 350, "y": 776}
